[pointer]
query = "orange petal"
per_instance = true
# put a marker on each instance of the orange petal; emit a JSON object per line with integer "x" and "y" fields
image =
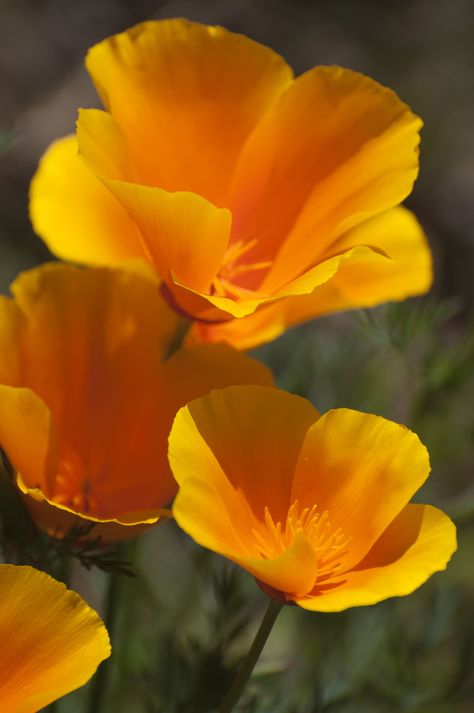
{"x": 10, "y": 327}
{"x": 92, "y": 345}
{"x": 224, "y": 307}
{"x": 198, "y": 369}
{"x": 186, "y": 97}
{"x": 253, "y": 433}
{"x": 28, "y": 437}
{"x": 76, "y": 215}
{"x": 336, "y": 148}
{"x": 52, "y": 642}
{"x": 419, "y": 542}
{"x": 362, "y": 470}
{"x": 182, "y": 232}
{"x": 395, "y": 232}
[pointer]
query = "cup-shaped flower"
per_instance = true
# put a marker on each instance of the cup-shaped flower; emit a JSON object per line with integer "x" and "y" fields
{"x": 315, "y": 507}
{"x": 87, "y": 395}
{"x": 245, "y": 188}
{"x": 52, "y": 641}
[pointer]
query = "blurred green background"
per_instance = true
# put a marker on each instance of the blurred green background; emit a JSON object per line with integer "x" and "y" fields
{"x": 187, "y": 618}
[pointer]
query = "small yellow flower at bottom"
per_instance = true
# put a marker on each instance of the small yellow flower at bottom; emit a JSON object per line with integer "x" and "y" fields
{"x": 315, "y": 507}
{"x": 51, "y": 640}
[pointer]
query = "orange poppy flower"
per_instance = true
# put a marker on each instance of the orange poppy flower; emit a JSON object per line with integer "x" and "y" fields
{"x": 52, "y": 642}
{"x": 87, "y": 396}
{"x": 315, "y": 507}
{"x": 246, "y": 189}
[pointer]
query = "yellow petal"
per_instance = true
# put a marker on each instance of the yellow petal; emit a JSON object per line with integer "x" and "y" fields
{"x": 293, "y": 572}
{"x": 397, "y": 233}
{"x": 362, "y": 470}
{"x": 418, "y": 543}
{"x": 336, "y": 148}
{"x": 214, "y": 515}
{"x": 186, "y": 97}
{"x": 255, "y": 435}
{"x": 76, "y": 215}
{"x": 52, "y": 642}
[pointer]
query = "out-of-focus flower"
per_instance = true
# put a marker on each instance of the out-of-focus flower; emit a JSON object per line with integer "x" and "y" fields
{"x": 52, "y": 641}
{"x": 250, "y": 192}
{"x": 87, "y": 395}
{"x": 315, "y": 507}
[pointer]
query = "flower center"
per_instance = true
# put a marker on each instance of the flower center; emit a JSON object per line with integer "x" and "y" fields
{"x": 231, "y": 269}
{"x": 329, "y": 544}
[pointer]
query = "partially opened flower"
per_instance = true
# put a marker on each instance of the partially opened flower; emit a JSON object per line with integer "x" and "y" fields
{"x": 51, "y": 640}
{"x": 87, "y": 396}
{"x": 315, "y": 507}
{"x": 246, "y": 189}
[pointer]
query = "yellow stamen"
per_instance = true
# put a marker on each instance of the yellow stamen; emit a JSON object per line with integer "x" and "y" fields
{"x": 329, "y": 545}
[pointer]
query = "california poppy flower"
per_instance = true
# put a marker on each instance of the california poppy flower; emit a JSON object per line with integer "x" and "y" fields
{"x": 52, "y": 641}
{"x": 87, "y": 395}
{"x": 245, "y": 188}
{"x": 315, "y": 507}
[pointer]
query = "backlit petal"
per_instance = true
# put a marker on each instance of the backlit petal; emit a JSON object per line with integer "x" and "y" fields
{"x": 336, "y": 148}
{"x": 52, "y": 642}
{"x": 362, "y": 470}
{"x": 419, "y": 542}
{"x": 75, "y": 214}
{"x": 186, "y": 96}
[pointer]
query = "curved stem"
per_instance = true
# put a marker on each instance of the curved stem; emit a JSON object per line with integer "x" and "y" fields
{"x": 252, "y": 657}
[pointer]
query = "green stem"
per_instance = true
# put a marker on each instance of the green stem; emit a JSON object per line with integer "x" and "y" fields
{"x": 183, "y": 327}
{"x": 100, "y": 681}
{"x": 252, "y": 657}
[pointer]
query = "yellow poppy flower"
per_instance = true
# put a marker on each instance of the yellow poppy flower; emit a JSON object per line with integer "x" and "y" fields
{"x": 253, "y": 194}
{"x": 87, "y": 396}
{"x": 52, "y": 642}
{"x": 315, "y": 507}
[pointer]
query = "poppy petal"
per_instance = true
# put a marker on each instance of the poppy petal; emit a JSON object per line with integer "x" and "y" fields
{"x": 186, "y": 96}
{"x": 182, "y": 232}
{"x": 27, "y": 436}
{"x": 347, "y": 461}
{"x": 418, "y": 543}
{"x": 254, "y": 433}
{"x": 395, "y": 232}
{"x": 52, "y": 642}
{"x": 75, "y": 214}
{"x": 336, "y": 148}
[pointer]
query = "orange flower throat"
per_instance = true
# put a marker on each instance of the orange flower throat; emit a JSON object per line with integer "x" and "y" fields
{"x": 329, "y": 545}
